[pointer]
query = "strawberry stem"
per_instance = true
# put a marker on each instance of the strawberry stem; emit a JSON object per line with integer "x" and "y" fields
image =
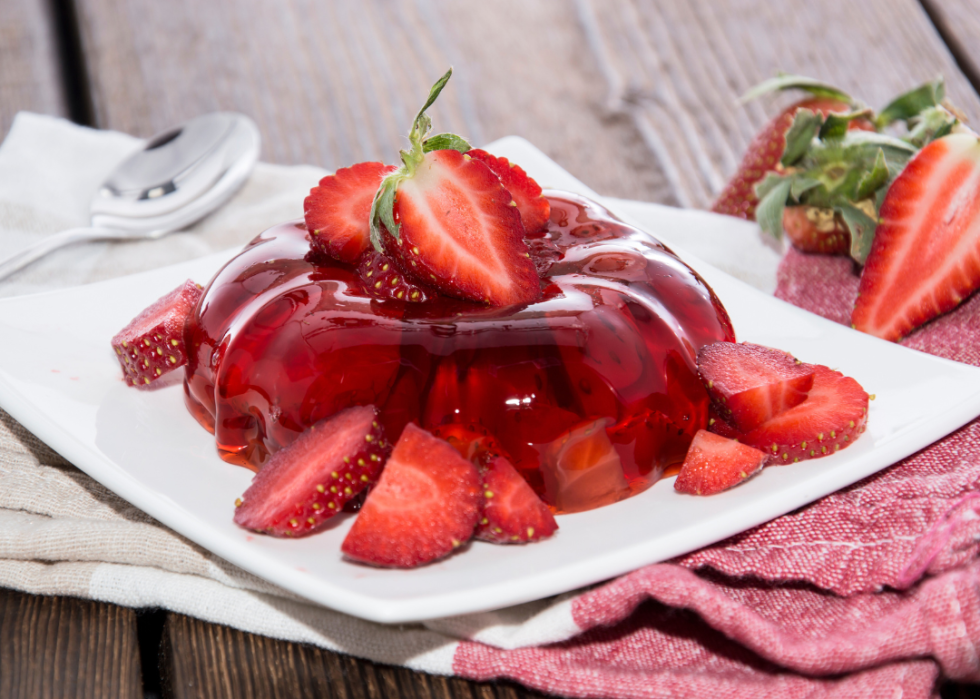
{"x": 382, "y": 208}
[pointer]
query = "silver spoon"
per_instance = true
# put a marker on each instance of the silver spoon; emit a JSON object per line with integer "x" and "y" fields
{"x": 179, "y": 177}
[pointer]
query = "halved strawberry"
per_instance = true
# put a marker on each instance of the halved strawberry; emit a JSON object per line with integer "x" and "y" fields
{"x": 447, "y": 221}
{"x": 458, "y": 232}
{"x": 534, "y": 207}
{"x": 750, "y": 384}
{"x": 925, "y": 258}
{"x": 425, "y": 505}
{"x": 383, "y": 279}
{"x": 817, "y": 230}
{"x": 309, "y": 481}
{"x": 714, "y": 464}
{"x": 338, "y": 210}
{"x": 833, "y": 415}
{"x": 152, "y": 344}
{"x": 512, "y": 513}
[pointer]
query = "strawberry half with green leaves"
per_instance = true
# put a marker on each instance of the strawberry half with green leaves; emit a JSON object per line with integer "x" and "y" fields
{"x": 338, "y": 211}
{"x": 512, "y": 513}
{"x": 751, "y": 384}
{"x": 925, "y": 258}
{"x": 447, "y": 221}
{"x": 531, "y": 202}
{"x": 425, "y": 505}
{"x": 309, "y": 481}
{"x": 714, "y": 464}
{"x": 152, "y": 344}
{"x": 738, "y": 198}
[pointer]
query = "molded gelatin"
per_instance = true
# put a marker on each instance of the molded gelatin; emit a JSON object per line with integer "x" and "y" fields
{"x": 593, "y": 390}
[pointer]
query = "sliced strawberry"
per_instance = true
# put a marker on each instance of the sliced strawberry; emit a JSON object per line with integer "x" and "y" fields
{"x": 338, "y": 210}
{"x": 925, "y": 258}
{"x": 512, "y": 513}
{"x": 738, "y": 197}
{"x": 833, "y": 415}
{"x": 153, "y": 342}
{"x": 534, "y": 207}
{"x": 750, "y": 384}
{"x": 816, "y": 230}
{"x": 459, "y": 233}
{"x": 425, "y": 505}
{"x": 719, "y": 425}
{"x": 383, "y": 279}
{"x": 714, "y": 464}
{"x": 309, "y": 481}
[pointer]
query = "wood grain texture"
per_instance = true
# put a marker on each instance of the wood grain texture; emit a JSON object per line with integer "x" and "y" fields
{"x": 29, "y": 74}
{"x": 679, "y": 68}
{"x": 207, "y": 661}
{"x": 332, "y": 83}
{"x": 53, "y": 647}
{"x": 636, "y": 97}
{"x": 959, "y": 23}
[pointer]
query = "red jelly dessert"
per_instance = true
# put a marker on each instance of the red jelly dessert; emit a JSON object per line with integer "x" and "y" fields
{"x": 592, "y": 390}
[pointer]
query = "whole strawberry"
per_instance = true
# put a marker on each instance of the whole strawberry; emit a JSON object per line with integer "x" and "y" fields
{"x": 835, "y": 169}
{"x": 447, "y": 221}
{"x": 738, "y": 198}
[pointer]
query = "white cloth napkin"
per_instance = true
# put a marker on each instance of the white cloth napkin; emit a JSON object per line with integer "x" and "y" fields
{"x": 62, "y": 533}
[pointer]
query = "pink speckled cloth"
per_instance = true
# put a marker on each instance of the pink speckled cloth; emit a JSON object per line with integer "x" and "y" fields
{"x": 871, "y": 591}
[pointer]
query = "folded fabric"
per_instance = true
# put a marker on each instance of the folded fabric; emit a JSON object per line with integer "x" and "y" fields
{"x": 870, "y": 591}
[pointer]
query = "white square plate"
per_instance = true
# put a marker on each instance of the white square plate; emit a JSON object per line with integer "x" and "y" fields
{"x": 60, "y": 379}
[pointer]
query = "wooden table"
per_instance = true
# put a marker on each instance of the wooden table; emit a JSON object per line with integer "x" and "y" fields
{"x": 635, "y": 97}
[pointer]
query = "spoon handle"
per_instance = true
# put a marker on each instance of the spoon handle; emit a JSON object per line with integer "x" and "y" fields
{"x": 21, "y": 259}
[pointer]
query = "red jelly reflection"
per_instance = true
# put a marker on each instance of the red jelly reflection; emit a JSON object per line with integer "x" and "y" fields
{"x": 593, "y": 391}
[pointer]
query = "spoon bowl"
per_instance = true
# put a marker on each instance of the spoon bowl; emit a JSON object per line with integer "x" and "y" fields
{"x": 176, "y": 179}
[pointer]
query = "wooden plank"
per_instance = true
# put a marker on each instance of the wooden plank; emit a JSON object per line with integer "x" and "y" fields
{"x": 29, "y": 73}
{"x": 679, "y": 68}
{"x": 636, "y": 97}
{"x": 52, "y": 647}
{"x": 958, "y": 21}
{"x": 334, "y": 83}
{"x": 207, "y": 661}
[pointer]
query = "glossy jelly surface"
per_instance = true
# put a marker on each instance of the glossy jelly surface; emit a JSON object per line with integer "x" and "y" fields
{"x": 593, "y": 390}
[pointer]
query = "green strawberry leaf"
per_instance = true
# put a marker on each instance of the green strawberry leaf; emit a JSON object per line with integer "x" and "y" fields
{"x": 446, "y": 141}
{"x": 862, "y": 228}
{"x": 801, "y": 184}
{"x": 433, "y": 96}
{"x": 836, "y": 125}
{"x": 912, "y": 103}
{"x": 382, "y": 209}
{"x": 805, "y": 126}
{"x": 769, "y": 213}
{"x": 796, "y": 82}
{"x": 768, "y": 182}
{"x": 873, "y": 179}
{"x": 932, "y": 123}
